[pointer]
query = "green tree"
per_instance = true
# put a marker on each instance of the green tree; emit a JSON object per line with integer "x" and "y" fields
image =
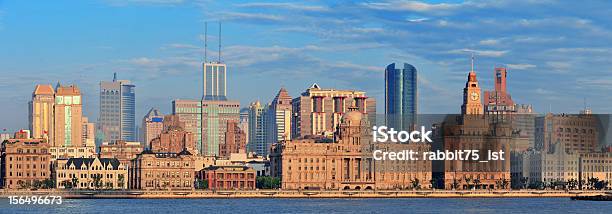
{"x": 267, "y": 182}
{"x": 37, "y": 184}
{"x": 97, "y": 181}
{"x": 75, "y": 182}
{"x": 121, "y": 180}
{"x": 416, "y": 184}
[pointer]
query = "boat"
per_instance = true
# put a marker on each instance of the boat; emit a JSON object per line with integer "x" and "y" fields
{"x": 593, "y": 198}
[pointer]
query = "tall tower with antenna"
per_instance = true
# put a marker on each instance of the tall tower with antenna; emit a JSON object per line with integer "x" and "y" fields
{"x": 214, "y": 74}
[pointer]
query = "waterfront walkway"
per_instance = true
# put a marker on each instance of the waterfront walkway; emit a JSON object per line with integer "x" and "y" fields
{"x": 83, "y": 194}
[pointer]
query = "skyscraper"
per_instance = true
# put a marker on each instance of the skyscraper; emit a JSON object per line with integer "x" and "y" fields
{"x": 117, "y": 110}
{"x": 401, "y": 96}
{"x": 257, "y": 128}
{"x": 68, "y": 117}
{"x": 319, "y": 111}
{"x": 42, "y": 112}
{"x": 215, "y": 81}
{"x": 279, "y": 114}
{"x": 152, "y": 125}
{"x": 207, "y": 120}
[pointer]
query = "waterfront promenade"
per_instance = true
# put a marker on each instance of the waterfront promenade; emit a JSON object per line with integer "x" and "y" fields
{"x": 84, "y": 194}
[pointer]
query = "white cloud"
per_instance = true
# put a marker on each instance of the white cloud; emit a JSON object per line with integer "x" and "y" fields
{"x": 489, "y": 42}
{"x": 489, "y": 53}
{"x": 250, "y": 16}
{"x": 289, "y": 6}
{"x": 520, "y": 66}
{"x": 144, "y": 2}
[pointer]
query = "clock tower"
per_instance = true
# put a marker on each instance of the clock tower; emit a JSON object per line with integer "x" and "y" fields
{"x": 471, "y": 94}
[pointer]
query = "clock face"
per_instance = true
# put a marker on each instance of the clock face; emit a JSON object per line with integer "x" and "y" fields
{"x": 474, "y": 96}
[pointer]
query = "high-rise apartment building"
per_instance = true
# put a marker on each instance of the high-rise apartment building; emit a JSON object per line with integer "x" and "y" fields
{"x": 152, "y": 125}
{"x": 42, "y": 112}
{"x": 401, "y": 97}
{"x": 319, "y": 111}
{"x": 117, "y": 110}
{"x": 68, "y": 117}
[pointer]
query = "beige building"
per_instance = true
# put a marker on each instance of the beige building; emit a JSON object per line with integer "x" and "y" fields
{"x": 124, "y": 151}
{"x": 87, "y": 151}
{"x": 25, "y": 162}
{"x": 42, "y": 112}
{"x": 318, "y": 111}
{"x": 91, "y": 173}
{"x": 595, "y": 165}
{"x": 555, "y": 166}
{"x": 152, "y": 126}
{"x": 163, "y": 171}
{"x": 68, "y": 117}
{"x": 345, "y": 161}
{"x": 579, "y": 133}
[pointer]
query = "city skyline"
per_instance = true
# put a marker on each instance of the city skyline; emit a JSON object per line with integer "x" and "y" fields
{"x": 168, "y": 66}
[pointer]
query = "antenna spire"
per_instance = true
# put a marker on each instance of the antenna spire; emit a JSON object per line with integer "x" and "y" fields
{"x": 205, "y": 40}
{"x": 219, "y": 41}
{"x": 472, "y": 61}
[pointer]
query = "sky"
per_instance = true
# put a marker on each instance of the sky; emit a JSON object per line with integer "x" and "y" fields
{"x": 557, "y": 52}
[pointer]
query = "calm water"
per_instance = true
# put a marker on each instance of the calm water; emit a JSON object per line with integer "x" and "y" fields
{"x": 179, "y": 206}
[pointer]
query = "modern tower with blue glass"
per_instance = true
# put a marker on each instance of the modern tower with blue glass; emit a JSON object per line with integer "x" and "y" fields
{"x": 117, "y": 110}
{"x": 401, "y": 96}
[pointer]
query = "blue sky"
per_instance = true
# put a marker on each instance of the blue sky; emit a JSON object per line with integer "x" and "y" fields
{"x": 557, "y": 52}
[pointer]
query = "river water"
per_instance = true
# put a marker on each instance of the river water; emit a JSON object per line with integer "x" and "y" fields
{"x": 379, "y": 205}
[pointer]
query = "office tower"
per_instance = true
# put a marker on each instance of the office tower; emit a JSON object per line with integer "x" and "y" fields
{"x": 471, "y": 94}
{"x": 88, "y": 133}
{"x": 215, "y": 81}
{"x": 257, "y": 128}
{"x": 499, "y": 100}
{"x": 401, "y": 97}
{"x": 117, "y": 110}
{"x": 152, "y": 125}
{"x": 318, "y": 111}
{"x": 244, "y": 123}
{"x": 68, "y": 117}
{"x": 210, "y": 126}
{"x": 235, "y": 140}
{"x": 579, "y": 133}
{"x": 279, "y": 118}
{"x": 41, "y": 112}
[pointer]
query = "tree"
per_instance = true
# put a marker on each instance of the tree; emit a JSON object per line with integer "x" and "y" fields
{"x": 201, "y": 184}
{"x": 416, "y": 184}
{"x": 476, "y": 183}
{"x": 75, "y": 182}
{"x": 456, "y": 183}
{"x": 121, "y": 180}
{"x": 433, "y": 182}
{"x": 468, "y": 181}
{"x": 524, "y": 181}
{"x": 37, "y": 184}
{"x": 48, "y": 183}
{"x": 97, "y": 181}
{"x": 267, "y": 182}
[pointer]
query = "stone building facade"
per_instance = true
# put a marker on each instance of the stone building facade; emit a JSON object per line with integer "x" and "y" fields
{"x": 229, "y": 177}
{"x": 25, "y": 161}
{"x": 91, "y": 173}
{"x": 162, "y": 171}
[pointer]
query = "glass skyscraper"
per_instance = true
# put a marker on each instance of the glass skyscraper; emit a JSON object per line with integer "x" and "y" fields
{"x": 215, "y": 81}
{"x": 117, "y": 110}
{"x": 401, "y": 96}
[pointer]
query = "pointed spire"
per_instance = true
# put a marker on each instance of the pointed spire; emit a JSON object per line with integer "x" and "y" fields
{"x": 472, "y": 61}
{"x": 115, "y": 77}
{"x": 219, "y": 41}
